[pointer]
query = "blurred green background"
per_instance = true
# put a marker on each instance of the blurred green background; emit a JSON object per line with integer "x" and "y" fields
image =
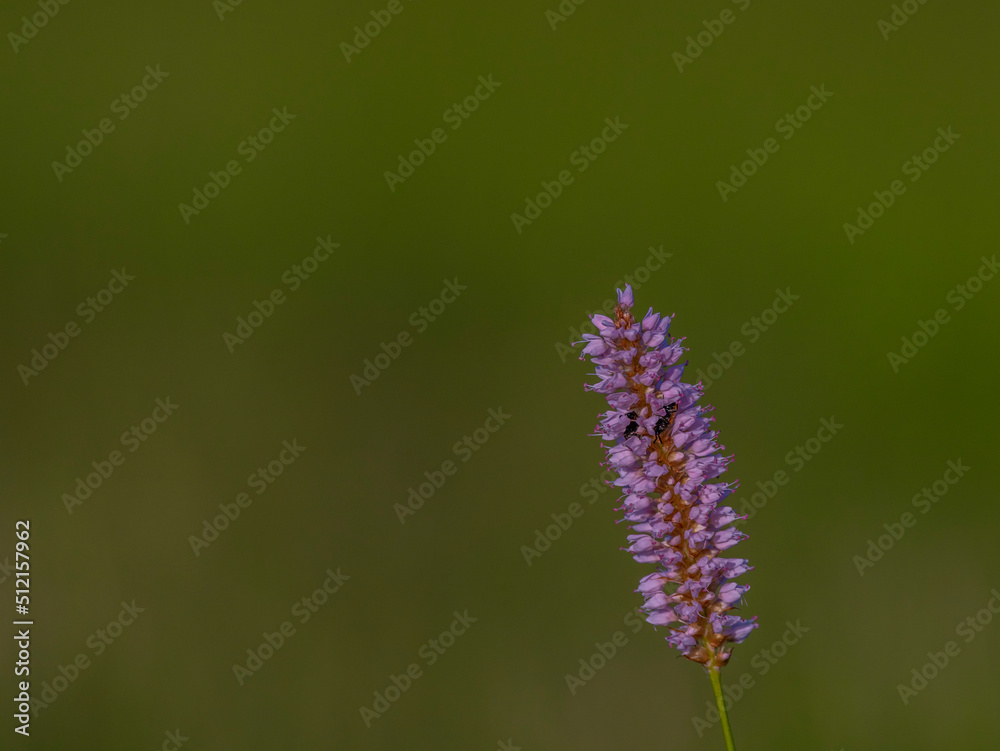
{"x": 499, "y": 345}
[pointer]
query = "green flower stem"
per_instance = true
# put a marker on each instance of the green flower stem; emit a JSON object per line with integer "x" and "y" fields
{"x": 713, "y": 673}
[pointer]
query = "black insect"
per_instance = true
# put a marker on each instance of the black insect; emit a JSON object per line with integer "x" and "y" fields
{"x": 664, "y": 422}
{"x": 633, "y": 426}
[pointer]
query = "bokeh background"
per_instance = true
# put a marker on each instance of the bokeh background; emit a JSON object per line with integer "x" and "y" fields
{"x": 500, "y": 345}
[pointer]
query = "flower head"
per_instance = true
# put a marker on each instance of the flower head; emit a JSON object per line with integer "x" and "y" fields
{"x": 665, "y": 453}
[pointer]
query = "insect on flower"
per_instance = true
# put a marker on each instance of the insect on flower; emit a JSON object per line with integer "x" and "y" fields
{"x": 633, "y": 426}
{"x": 664, "y": 422}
